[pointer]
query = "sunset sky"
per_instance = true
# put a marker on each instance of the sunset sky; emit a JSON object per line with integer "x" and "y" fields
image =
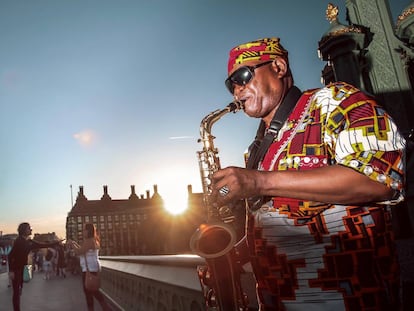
{"x": 99, "y": 92}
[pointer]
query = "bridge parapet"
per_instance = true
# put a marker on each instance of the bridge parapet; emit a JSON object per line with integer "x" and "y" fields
{"x": 153, "y": 283}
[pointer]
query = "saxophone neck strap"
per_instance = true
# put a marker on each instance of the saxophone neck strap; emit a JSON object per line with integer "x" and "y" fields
{"x": 262, "y": 143}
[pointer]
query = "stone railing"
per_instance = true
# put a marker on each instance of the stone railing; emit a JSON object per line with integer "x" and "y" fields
{"x": 153, "y": 283}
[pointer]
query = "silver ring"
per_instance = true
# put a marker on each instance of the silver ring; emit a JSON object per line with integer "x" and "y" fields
{"x": 224, "y": 191}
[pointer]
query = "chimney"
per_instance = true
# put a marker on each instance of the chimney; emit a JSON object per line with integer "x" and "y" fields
{"x": 156, "y": 195}
{"x": 148, "y": 194}
{"x": 133, "y": 194}
{"x": 81, "y": 196}
{"x": 189, "y": 189}
{"x": 105, "y": 195}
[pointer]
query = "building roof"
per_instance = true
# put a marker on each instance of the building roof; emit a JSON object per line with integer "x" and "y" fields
{"x": 108, "y": 205}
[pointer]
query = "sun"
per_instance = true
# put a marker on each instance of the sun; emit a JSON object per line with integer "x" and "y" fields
{"x": 173, "y": 186}
{"x": 175, "y": 202}
{"x": 174, "y": 195}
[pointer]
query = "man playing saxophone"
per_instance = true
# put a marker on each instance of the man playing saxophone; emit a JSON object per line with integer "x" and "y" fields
{"x": 319, "y": 232}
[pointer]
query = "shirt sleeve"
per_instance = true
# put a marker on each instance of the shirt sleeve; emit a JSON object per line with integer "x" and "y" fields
{"x": 367, "y": 140}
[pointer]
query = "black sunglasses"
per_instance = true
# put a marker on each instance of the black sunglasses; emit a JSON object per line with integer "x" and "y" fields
{"x": 242, "y": 76}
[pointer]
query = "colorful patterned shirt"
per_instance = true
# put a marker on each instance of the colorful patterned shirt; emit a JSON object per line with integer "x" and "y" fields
{"x": 318, "y": 256}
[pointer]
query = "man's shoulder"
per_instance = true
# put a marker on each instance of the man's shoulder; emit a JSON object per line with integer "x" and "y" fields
{"x": 337, "y": 92}
{"x": 336, "y": 88}
{"x": 19, "y": 241}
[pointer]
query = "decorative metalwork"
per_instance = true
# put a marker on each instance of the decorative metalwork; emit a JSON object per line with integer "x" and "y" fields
{"x": 404, "y": 15}
{"x": 332, "y": 13}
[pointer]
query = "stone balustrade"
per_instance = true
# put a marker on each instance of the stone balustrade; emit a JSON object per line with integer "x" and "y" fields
{"x": 153, "y": 283}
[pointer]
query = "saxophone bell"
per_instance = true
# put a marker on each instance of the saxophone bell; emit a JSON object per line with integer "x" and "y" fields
{"x": 213, "y": 240}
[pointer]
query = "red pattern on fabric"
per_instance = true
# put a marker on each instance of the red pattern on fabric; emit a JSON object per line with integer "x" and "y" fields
{"x": 358, "y": 265}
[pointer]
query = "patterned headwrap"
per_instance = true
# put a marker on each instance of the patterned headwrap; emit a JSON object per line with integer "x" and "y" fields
{"x": 261, "y": 49}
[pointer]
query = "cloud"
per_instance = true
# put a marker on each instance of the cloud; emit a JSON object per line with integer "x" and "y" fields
{"x": 86, "y": 137}
{"x": 180, "y": 137}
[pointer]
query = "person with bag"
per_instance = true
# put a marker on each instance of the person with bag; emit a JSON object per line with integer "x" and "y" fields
{"x": 47, "y": 263}
{"x": 17, "y": 259}
{"x": 61, "y": 261}
{"x": 88, "y": 253}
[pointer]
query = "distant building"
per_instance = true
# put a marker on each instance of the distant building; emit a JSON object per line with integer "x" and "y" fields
{"x": 137, "y": 225}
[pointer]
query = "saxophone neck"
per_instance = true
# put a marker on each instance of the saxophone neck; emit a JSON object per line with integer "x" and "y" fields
{"x": 210, "y": 119}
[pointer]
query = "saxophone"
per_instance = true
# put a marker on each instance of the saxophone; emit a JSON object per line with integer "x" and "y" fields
{"x": 216, "y": 240}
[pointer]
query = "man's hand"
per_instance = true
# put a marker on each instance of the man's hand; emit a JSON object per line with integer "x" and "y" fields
{"x": 240, "y": 182}
{"x": 72, "y": 244}
{"x": 11, "y": 275}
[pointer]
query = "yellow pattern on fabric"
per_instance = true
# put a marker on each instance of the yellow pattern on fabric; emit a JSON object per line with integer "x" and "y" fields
{"x": 261, "y": 49}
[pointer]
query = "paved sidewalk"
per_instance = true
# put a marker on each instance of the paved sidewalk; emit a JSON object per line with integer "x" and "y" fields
{"x": 62, "y": 294}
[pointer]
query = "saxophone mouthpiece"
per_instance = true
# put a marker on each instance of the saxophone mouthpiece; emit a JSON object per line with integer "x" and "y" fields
{"x": 236, "y": 105}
